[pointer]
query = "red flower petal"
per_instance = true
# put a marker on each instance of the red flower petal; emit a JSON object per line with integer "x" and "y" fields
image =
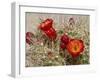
{"x": 46, "y": 25}
{"x": 62, "y": 45}
{"x": 29, "y": 36}
{"x": 65, "y": 39}
{"x": 51, "y": 34}
{"x": 75, "y": 47}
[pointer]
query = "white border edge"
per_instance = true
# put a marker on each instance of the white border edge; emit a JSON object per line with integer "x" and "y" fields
{"x": 15, "y": 40}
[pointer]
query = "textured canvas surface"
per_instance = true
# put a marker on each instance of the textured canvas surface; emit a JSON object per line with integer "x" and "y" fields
{"x": 42, "y": 50}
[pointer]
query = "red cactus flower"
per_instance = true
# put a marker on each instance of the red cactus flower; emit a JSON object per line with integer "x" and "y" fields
{"x": 51, "y": 34}
{"x": 65, "y": 39}
{"x": 46, "y": 25}
{"x": 75, "y": 47}
{"x": 62, "y": 45}
{"x": 29, "y": 36}
{"x": 47, "y": 28}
